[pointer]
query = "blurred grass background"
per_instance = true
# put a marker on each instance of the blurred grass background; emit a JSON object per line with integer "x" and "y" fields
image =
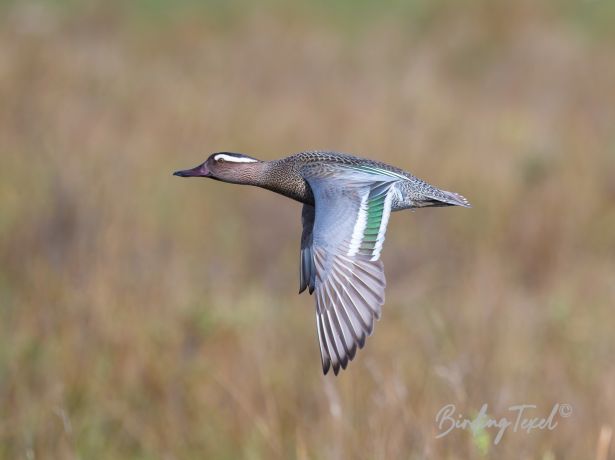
{"x": 147, "y": 317}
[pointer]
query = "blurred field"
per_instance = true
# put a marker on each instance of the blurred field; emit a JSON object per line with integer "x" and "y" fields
{"x": 147, "y": 317}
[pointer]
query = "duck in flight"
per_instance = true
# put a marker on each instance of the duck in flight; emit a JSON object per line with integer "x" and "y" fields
{"x": 347, "y": 202}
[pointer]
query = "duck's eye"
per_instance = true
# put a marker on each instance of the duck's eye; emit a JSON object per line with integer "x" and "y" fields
{"x": 220, "y": 160}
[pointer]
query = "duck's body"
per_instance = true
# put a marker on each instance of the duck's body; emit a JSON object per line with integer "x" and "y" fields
{"x": 347, "y": 202}
{"x": 287, "y": 177}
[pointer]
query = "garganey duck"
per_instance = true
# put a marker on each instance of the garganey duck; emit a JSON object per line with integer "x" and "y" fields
{"x": 347, "y": 202}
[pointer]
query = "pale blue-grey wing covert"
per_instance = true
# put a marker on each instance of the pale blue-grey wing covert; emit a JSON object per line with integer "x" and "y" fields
{"x": 340, "y": 249}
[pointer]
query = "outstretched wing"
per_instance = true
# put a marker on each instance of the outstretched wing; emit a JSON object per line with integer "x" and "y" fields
{"x": 340, "y": 249}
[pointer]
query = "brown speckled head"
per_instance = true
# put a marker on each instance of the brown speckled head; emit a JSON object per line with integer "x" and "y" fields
{"x": 236, "y": 168}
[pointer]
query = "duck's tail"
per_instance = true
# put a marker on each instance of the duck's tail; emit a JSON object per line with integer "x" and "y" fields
{"x": 443, "y": 198}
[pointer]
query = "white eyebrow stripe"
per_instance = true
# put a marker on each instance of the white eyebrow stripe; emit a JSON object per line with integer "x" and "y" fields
{"x": 234, "y": 159}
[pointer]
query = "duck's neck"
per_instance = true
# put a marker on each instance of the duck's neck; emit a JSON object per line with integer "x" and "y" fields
{"x": 283, "y": 177}
{"x": 249, "y": 174}
{"x": 278, "y": 176}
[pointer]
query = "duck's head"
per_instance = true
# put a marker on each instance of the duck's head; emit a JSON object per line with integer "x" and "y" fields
{"x": 224, "y": 166}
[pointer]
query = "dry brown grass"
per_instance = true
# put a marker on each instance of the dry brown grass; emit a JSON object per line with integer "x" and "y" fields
{"x": 144, "y": 316}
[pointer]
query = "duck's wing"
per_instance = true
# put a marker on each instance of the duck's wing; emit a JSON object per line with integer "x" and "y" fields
{"x": 340, "y": 249}
{"x": 307, "y": 272}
